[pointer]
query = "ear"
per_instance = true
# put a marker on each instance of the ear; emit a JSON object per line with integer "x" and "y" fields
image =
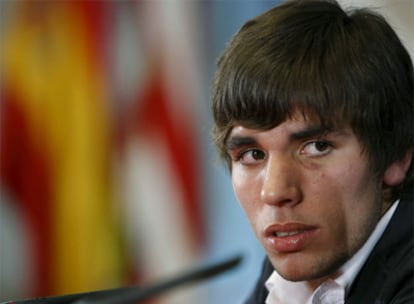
{"x": 395, "y": 172}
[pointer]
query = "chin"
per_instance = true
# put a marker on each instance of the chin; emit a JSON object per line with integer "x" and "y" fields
{"x": 297, "y": 268}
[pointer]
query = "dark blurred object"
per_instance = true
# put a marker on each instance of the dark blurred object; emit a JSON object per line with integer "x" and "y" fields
{"x": 127, "y": 295}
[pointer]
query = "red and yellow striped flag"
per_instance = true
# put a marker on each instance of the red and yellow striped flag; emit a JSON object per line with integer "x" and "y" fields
{"x": 56, "y": 144}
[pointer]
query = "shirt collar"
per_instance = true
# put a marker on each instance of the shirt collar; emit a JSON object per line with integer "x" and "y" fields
{"x": 352, "y": 267}
{"x": 281, "y": 289}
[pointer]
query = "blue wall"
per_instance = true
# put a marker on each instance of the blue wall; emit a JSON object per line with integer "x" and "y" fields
{"x": 229, "y": 231}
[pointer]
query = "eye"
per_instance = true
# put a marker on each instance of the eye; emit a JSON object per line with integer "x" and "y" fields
{"x": 251, "y": 156}
{"x": 316, "y": 148}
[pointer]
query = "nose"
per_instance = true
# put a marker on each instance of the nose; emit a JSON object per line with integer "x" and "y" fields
{"x": 281, "y": 183}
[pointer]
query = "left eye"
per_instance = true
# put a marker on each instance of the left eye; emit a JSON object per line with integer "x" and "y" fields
{"x": 316, "y": 148}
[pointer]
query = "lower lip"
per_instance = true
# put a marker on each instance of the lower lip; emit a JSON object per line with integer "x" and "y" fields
{"x": 292, "y": 243}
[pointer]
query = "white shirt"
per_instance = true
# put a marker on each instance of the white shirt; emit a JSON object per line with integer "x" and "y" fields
{"x": 282, "y": 291}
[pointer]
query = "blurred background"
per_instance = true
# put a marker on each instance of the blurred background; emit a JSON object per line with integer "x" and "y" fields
{"x": 108, "y": 175}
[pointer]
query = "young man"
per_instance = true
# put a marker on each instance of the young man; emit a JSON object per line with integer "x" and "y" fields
{"x": 313, "y": 111}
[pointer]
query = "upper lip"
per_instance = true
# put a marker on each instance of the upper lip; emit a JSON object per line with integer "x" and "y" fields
{"x": 271, "y": 230}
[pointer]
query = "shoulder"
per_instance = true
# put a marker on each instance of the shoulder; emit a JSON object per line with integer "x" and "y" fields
{"x": 399, "y": 260}
{"x": 259, "y": 294}
{"x": 388, "y": 274}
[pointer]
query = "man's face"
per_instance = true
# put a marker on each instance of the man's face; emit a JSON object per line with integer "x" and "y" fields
{"x": 308, "y": 193}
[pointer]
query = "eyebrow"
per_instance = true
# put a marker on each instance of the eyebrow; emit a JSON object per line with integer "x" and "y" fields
{"x": 235, "y": 142}
{"x": 309, "y": 132}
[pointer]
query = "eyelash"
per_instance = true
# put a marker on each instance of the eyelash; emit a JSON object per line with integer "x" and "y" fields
{"x": 238, "y": 155}
{"x": 326, "y": 147}
{"x": 242, "y": 153}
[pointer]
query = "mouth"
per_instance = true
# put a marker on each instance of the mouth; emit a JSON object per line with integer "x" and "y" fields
{"x": 290, "y": 237}
{"x": 283, "y": 234}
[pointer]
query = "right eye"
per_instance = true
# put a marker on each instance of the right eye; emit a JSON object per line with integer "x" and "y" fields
{"x": 250, "y": 157}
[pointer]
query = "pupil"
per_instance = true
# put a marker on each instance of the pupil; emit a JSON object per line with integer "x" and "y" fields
{"x": 257, "y": 154}
{"x": 320, "y": 145}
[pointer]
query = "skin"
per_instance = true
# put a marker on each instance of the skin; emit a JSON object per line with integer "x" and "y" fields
{"x": 313, "y": 183}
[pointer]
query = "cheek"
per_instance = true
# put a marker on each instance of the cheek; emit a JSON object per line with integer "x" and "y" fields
{"x": 247, "y": 191}
{"x": 354, "y": 201}
{"x": 241, "y": 187}
{"x": 346, "y": 181}
{"x": 356, "y": 185}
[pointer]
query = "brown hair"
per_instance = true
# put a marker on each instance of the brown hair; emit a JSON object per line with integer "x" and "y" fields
{"x": 339, "y": 67}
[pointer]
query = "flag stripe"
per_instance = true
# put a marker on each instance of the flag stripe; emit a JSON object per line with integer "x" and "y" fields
{"x": 26, "y": 174}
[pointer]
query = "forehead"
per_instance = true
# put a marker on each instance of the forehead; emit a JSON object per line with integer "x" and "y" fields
{"x": 291, "y": 124}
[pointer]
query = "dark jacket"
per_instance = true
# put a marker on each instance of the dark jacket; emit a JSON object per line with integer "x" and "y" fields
{"x": 387, "y": 276}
